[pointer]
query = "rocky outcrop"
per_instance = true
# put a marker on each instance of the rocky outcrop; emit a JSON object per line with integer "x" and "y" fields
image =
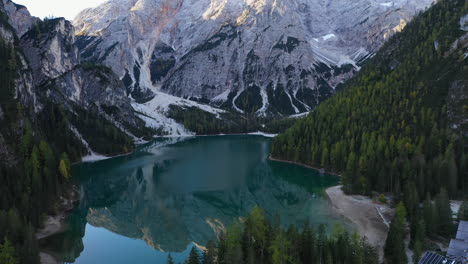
{"x": 268, "y": 57}
{"x": 18, "y": 17}
{"x": 50, "y": 72}
{"x": 49, "y": 49}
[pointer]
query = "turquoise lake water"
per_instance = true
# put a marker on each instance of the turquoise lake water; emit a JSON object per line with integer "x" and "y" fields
{"x": 174, "y": 193}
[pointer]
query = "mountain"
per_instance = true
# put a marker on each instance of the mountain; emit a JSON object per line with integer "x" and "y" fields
{"x": 399, "y": 126}
{"x": 51, "y": 74}
{"x": 54, "y": 110}
{"x": 268, "y": 57}
{"x": 405, "y": 106}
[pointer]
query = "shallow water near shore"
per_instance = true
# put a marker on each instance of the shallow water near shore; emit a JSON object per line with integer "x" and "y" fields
{"x": 174, "y": 193}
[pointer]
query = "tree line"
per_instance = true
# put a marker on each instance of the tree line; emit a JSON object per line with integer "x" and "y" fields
{"x": 36, "y": 152}
{"x": 388, "y": 130}
{"x": 389, "y": 126}
{"x": 257, "y": 240}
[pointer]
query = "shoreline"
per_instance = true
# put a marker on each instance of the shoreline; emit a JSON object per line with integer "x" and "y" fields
{"x": 55, "y": 224}
{"x": 321, "y": 170}
{"x": 95, "y": 157}
{"x": 369, "y": 217}
{"x": 258, "y": 133}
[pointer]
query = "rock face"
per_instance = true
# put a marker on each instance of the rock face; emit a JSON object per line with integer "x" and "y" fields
{"x": 49, "y": 48}
{"x": 51, "y": 72}
{"x": 19, "y": 17}
{"x": 268, "y": 56}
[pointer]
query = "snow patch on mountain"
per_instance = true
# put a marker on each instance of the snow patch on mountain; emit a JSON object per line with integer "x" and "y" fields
{"x": 264, "y": 56}
{"x": 155, "y": 112}
{"x": 389, "y": 4}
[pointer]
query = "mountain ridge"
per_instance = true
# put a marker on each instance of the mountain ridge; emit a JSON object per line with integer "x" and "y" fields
{"x": 264, "y": 57}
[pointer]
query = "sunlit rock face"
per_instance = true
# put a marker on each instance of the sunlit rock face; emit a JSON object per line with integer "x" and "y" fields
{"x": 268, "y": 56}
{"x": 50, "y": 69}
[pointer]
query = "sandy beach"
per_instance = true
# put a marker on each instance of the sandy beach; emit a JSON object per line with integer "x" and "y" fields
{"x": 370, "y": 218}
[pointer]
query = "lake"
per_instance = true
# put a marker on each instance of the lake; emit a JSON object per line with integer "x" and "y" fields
{"x": 174, "y": 193}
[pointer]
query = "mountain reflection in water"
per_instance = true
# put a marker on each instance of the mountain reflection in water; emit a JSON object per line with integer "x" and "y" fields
{"x": 174, "y": 192}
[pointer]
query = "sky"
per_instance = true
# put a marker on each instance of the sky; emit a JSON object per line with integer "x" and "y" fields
{"x": 57, "y": 8}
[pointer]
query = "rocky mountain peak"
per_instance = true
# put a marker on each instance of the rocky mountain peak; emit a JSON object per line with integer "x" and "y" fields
{"x": 269, "y": 57}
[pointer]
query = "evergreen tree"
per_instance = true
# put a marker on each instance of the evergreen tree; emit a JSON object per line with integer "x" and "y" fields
{"x": 394, "y": 246}
{"x": 193, "y": 257}
{"x": 289, "y": 246}
{"x": 209, "y": 256}
{"x": 280, "y": 249}
{"x": 307, "y": 244}
{"x": 255, "y": 236}
{"x": 64, "y": 170}
{"x": 234, "y": 253}
{"x": 222, "y": 249}
{"x": 445, "y": 225}
{"x": 429, "y": 216}
{"x": 7, "y": 253}
{"x": 418, "y": 249}
{"x": 463, "y": 211}
{"x": 392, "y": 117}
{"x": 66, "y": 167}
{"x": 170, "y": 260}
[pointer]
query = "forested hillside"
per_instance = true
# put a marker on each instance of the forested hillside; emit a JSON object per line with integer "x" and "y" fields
{"x": 37, "y": 147}
{"x": 388, "y": 129}
{"x": 29, "y": 170}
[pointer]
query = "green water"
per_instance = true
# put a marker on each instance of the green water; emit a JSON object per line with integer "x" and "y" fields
{"x": 174, "y": 192}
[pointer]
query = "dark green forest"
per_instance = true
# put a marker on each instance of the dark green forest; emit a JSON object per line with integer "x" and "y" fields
{"x": 205, "y": 123}
{"x": 37, "y": 148}
{"x": 388, "y": 130}
{"x": 29, "y": 170}
{"x": 258, "y": 240}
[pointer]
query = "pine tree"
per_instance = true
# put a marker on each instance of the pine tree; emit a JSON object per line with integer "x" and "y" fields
{"x": 64, "y": 170}
{"x": 443, "y": 213}
{"x": 428, "y": 216}
{"x": 222, "y": 249}
{"x": 255, "y": 233}
{"x": 463, "y": 211}
{"x": 7, "y": 253}
{"x": 234, "y": 253}
{"x": 193, "y": 257}
{"x": 418, "y": 249}
{"x": 170, "y": 260}
{"x": 280, "y": 249}
{"x": 210, "y": 253}
{"x": 394, "y": 246}
{"x": 307, "y": 244}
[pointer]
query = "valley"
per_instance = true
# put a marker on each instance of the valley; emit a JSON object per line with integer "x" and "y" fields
{"x": 234, "y": 132}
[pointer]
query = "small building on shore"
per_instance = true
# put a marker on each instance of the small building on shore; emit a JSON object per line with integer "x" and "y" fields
{"x": 457, "y": 252}
{"x": 434, "y": 258}
{"x": 458, "y": 248}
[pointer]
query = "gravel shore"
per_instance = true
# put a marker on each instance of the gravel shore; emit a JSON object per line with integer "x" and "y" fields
{"x": 370, "y": 218}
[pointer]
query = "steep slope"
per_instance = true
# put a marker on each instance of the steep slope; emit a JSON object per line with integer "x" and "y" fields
{"x": 400, "y": 125}
{"x": 53, "y": 111}
{"x": 52, "y": 73}
{"x": 269, "y": 57}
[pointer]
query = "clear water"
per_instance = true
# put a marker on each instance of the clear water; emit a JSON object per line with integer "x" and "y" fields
{"x": 177, "y": 192}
